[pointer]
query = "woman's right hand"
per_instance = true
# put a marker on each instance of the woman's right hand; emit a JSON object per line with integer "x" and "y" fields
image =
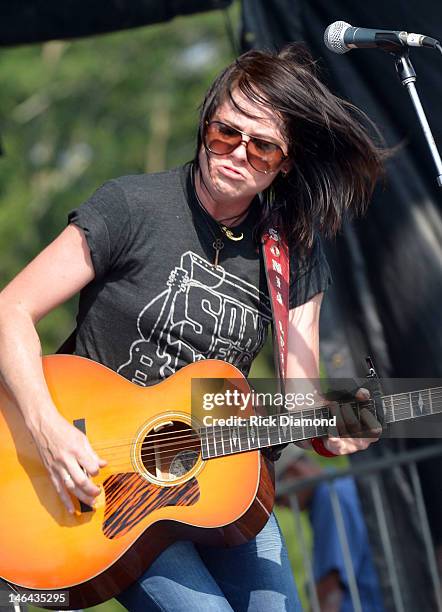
{"x": 69, "y": 459}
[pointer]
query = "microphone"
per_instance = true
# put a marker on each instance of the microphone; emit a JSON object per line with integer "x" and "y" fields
{"x": 341, "y": 37}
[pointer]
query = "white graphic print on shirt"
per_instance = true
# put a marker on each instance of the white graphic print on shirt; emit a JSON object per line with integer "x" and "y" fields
{"x": 204, "y": 313}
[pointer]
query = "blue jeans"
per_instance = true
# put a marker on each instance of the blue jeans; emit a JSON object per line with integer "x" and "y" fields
{"x": 186, "y": 577}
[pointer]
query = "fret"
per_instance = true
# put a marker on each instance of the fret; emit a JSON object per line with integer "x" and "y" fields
{"x": 296, "y": 431}
{"x": 387, "y": 402}
{"x": 309, "y": 430}
{"x": 259, "y": 431}
{"x": 217, "y": 440}
{"x": 238, "y": 430}
{"x": 245, "y": 429}
{"x": 430, "y": 394}
{"x": 427, "y": 401}
{"x": 234, "y": 439}
{"x": 204, "y": 443}
{"x": 275, "y": 436}
{"x": 421, "y": 402}
{"x": 285, "y": 437}
{"x": 222, "y": 440}
{"x": 322, "y": 413}
{"x": 253, "y": 434}
{"x": 210, "y": 442}
{"x": 402, "y": 406}
{"x": 227, "y": 441}
{"x": 278, "y": 427}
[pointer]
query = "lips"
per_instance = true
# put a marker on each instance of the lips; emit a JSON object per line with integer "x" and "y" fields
{"x": 229, "y": 171}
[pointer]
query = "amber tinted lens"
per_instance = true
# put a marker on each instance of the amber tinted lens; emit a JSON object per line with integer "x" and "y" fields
{"x": 262, "y": 155}
{"x": 221, "y": 139}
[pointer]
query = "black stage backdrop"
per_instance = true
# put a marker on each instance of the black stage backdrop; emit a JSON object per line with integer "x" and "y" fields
{"x": 387, "y": 268}
{"x": 29, "y": 21}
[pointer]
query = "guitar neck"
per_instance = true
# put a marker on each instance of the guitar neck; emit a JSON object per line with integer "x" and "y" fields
{"x": 254, "y": 433}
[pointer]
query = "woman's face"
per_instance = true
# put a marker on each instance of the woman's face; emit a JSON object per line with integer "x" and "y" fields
{"x": 231, "y": 176}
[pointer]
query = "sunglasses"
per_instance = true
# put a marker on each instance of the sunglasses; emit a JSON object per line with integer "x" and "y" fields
{"x": 222, "y": 139}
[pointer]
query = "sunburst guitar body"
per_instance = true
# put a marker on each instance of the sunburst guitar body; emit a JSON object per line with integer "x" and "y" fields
{"x": 155, "y": 489}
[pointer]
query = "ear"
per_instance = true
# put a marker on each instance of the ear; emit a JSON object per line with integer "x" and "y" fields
{"x": 286, "y": 167}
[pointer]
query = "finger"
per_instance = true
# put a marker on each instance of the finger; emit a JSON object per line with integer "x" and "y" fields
{"x": 362, "y": 394}
{"x": 73, "y": 488}
{"x": 81, "y": 480}
{"x": 340, "y": 424}
{"x": 351, "y": 421}
{"x": 89, "y": 461}
{"x": 89, "y": 500}
{"x": 63, "y": 494}
{"x": 367, "y": 441}
{"x": 346, "y": 446}
{"x": 335, "y": 445}
{"x": 66, "y": 480}
{"x": 372, "y": 424}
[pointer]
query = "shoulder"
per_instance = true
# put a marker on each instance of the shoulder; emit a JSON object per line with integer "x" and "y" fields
{"x": 146, "y": 187}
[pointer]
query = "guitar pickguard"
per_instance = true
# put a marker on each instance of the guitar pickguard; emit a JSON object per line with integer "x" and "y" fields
{"x": 130, "y": 498}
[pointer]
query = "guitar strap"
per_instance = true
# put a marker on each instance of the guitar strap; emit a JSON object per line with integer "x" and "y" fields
{"x": 276, "y": 263}
{"x": 277, "y": 268}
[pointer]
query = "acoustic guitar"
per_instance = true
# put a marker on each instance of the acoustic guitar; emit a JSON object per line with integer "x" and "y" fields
{"x": 168, "y": 477}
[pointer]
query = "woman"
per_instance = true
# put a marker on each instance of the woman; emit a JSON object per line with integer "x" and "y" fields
{"x": 169, "y": 272}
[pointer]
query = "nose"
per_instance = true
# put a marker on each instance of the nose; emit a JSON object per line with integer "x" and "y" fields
{"x": 240, "y": 152}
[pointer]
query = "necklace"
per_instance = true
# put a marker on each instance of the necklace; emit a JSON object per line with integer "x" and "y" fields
{"x": 218, "y": 243}
{"x": 226, "y": 230}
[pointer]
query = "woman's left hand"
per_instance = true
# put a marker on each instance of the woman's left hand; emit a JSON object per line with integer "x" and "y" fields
{"x": 349, "y": 437}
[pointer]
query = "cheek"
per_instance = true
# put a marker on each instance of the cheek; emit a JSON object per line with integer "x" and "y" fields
{"x": 262, "y": 181}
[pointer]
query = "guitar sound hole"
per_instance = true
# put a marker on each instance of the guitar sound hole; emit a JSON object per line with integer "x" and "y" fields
{"x": 171, "y": 451}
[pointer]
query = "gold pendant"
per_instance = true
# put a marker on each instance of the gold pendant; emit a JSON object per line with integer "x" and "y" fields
{"x": 230, "y": 235}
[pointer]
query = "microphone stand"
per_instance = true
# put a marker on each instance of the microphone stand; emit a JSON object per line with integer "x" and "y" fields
{"x": 407, "y": 75}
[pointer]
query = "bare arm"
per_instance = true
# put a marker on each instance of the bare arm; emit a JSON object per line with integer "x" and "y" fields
{"x": 303, "y": 344}
{"x": 303, "y": 347}
{"x": 303, "y": 363}
{"x": 55, "y": 275}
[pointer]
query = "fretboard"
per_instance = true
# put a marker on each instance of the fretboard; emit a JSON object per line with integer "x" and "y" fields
{"x": 293, "y": 426}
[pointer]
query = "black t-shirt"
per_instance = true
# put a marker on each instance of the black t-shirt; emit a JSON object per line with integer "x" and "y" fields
{"x": 157, "y": 301}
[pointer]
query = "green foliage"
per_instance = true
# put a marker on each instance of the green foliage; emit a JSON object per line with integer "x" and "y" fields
{"x": 77, "y": 113}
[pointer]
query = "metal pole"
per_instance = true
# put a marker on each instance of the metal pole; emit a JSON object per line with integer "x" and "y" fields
{"x": 337, "y": 512}
{"x": 386, "y": 544}
{"x": 407, "y": 76}
{"x": 305, "y": 555}
{"x": 426, "y": 532}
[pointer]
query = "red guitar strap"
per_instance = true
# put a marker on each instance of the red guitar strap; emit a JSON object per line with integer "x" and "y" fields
{"x": 276, "y": 263}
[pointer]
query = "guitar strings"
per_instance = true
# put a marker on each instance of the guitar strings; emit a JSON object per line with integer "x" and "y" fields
{"x": 198, "y": 443}
{"x": 216, "y": 429}
{"x": 188, "y": 432}
{"x": 361, "y": 404}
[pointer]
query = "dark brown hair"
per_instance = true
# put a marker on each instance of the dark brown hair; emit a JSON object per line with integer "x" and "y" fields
{"x": 335, "y": 160}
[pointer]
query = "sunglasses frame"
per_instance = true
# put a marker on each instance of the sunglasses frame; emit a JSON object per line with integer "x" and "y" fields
{"x": 251, "y": 138}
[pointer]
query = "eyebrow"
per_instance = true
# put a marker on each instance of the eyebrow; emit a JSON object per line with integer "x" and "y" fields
{"x": 265, "y": 137}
